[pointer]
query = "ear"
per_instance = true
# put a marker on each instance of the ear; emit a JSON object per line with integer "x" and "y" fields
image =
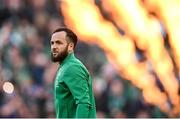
{"x": 70, "y": 47}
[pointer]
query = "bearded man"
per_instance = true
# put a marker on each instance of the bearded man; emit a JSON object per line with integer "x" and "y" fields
{"x": 73, "y": 92}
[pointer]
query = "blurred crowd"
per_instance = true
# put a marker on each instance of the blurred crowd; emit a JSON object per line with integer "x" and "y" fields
{"x": 25, "y": 28}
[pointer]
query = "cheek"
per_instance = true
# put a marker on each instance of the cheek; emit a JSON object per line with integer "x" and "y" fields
{"x": 51, "y": 49}
{"x": 61, "y": 48}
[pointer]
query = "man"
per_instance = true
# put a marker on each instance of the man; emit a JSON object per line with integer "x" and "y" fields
{"x": 73, "y": 91}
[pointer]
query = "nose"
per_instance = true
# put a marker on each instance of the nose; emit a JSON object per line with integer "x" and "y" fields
{"x": 53, "y": 47}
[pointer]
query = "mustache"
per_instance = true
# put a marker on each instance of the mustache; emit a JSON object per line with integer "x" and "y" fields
{"x": 54, "y": 51}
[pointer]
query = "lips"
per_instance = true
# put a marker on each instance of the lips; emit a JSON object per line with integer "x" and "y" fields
{"x": 54, "y": 53}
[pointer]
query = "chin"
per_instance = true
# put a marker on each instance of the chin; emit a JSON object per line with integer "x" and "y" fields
{"x": 55, "y": 59}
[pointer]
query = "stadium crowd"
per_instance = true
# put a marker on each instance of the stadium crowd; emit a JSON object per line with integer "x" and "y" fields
{"x": 25, "y": 29}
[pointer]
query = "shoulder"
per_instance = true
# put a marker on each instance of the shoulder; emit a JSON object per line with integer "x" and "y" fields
{"x": 74, "y": 66}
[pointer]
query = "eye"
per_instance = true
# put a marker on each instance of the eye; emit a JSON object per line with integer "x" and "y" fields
{"x": 58, "y": 42}
{"x": 52, "y": 42}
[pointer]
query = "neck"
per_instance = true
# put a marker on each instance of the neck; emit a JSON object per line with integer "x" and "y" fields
{"x": 70, "y": 54}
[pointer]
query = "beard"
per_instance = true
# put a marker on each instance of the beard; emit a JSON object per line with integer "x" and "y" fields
{"x": 60, "y": 56}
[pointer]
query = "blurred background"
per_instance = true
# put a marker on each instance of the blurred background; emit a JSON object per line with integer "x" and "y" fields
{"x": 130, "y": 47}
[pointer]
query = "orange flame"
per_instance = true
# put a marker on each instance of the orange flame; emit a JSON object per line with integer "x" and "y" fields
{"x": 169, "y": 14}
{"x": 84, "y": 17}
{"x": 146, "y": 30}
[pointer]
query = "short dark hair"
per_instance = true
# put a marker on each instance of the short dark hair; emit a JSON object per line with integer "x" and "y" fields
{"x": 69, "y": 33}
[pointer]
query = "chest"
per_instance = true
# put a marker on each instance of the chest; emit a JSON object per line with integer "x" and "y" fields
{"x": 59, "y": 84}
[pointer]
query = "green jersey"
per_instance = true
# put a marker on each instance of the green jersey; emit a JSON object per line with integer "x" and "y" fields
{"x": 73, "y": 92}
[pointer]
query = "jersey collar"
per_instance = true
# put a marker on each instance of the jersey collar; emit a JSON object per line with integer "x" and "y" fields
{"x": 68, "y": 57}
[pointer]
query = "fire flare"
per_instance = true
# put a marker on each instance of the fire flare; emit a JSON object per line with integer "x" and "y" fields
{"x": 84, "y": 17}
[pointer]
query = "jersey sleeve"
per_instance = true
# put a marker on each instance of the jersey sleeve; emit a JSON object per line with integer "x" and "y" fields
{"x": 77, "y": 81}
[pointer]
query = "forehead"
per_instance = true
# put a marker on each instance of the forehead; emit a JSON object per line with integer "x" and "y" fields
{"x": 59, "y": 36}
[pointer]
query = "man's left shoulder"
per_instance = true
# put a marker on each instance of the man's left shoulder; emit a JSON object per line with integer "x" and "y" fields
{"x": 78, "y": 65}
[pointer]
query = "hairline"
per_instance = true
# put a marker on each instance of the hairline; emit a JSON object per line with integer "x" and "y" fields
{"x": 67, "y": 38}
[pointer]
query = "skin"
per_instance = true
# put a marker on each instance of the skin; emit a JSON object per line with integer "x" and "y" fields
{"x": 61, "y": 46}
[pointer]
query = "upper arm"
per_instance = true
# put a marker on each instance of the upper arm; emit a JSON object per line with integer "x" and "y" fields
{"x": 77, "y": 81}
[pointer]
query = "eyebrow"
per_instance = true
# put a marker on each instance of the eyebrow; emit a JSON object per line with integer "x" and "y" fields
{"x": 56, "y": 39}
